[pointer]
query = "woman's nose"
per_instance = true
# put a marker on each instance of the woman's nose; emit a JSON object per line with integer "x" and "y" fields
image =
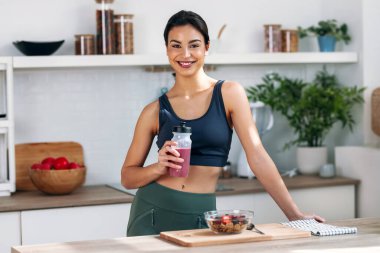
{"x": 186, "y": 52}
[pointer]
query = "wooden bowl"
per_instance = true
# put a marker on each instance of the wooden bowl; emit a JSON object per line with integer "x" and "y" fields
{"x": 57, "y": 182}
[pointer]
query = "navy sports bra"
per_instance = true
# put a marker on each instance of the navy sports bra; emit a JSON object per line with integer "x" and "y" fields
{"x": 211, "y": 133}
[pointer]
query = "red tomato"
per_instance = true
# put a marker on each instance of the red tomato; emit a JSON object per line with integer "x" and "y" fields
{"x": 45, "y": 166}
{"x": 74, "y": 166}
{"x": 49, "y": 160}
{"x": 60, "y": 165}
{"x": 36, "y": 166}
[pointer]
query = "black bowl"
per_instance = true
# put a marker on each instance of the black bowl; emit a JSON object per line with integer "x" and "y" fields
{"x": 38, "y": 48}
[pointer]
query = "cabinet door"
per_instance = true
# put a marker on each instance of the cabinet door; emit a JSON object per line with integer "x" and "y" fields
{"x": 74, "y": 224}
{"x": 332, "y": 203}
{"x": 264, "y": 208}
{"x": 10, "y": 234}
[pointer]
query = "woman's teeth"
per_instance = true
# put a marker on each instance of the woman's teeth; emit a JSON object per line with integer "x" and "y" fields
{"x": 185, "y": 64}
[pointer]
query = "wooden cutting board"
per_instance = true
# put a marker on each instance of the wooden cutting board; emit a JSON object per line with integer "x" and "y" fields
{"x": 375, "y": 111}
{"x": 205, "y": 237}
{"x": 30, "y": 153}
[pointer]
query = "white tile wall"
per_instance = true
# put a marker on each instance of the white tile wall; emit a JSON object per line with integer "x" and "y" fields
{"x": 99, "y": 107}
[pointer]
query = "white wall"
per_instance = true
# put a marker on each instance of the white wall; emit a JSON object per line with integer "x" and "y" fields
{"x": 99, "y": 107}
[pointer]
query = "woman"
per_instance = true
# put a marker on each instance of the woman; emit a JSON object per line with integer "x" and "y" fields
{"x": 212, "y": 108}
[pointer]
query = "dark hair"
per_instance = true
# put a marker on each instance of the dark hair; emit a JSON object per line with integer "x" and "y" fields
{"x": 187, "y": 18}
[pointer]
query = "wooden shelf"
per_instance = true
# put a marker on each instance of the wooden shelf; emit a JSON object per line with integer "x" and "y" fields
{"x": 73, "y": 61}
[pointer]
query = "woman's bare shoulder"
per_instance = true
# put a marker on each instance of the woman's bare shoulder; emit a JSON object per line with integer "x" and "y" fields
{"x": 232, "y": 90}
{"x": 151, "y": 109}
{"x": 149, "y": 116}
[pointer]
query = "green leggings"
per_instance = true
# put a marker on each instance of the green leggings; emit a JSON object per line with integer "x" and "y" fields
{"x": 157, "y": 208}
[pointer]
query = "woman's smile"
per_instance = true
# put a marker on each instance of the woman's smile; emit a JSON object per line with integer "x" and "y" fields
{"x": 186, "y": 64}
{"x": 186, "y": 50}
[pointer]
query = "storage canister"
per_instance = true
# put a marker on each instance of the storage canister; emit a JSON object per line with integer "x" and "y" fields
{"x": 272, "y": 37}
{"x": 84, "y": 44}
{"x": 123, "y": 33}
{"x": 289, "y": 40}
{"x": 104, "y": 27}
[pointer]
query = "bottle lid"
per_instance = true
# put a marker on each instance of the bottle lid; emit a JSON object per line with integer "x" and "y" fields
{"x": 104, "y": 1}
{"x": 182, "y": 128}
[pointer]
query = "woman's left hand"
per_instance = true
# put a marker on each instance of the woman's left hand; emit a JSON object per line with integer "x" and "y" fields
{"x": 310, "y": 216}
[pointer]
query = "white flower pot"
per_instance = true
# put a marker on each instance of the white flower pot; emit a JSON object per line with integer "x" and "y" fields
{"x": 311, "y": 159}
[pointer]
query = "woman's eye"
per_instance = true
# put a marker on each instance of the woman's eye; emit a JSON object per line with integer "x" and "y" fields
{"x": 176, "y": 46}
{"x": 194, "y": 46}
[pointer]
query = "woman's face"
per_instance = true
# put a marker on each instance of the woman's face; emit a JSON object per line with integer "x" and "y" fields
{"x": 186, "y": 50}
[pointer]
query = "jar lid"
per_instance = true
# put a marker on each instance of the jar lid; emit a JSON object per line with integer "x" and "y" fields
{"x": 104, "y": 1}
{"x": 275, "y": 25}
{"x": 182, "y": 128}
{"x": 87, "y": 36}
{"x": 123, "y": 15}
{"x": 289, "y": 30}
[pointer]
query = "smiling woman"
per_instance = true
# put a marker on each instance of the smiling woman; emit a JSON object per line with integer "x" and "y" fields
{"x": 211, "y": 108}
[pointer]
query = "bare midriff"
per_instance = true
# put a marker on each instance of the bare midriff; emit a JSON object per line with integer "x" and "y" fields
{"x": 201, "y": 179}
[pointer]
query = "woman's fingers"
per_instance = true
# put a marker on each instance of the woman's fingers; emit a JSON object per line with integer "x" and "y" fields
{"x": 168, "y": 157}
{"x": 171, "y": 160}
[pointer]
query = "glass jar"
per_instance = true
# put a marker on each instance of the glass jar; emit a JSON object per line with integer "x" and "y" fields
{"x": 84, "y": 44}
{"x": 104, "y": 27}
{"x": 123, "y": 33}
{"x": 272, "y": 36}
{"x": 289, "y": 40}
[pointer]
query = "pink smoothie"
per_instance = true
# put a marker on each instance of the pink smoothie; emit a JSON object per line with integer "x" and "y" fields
{"x": 184, "y": 171}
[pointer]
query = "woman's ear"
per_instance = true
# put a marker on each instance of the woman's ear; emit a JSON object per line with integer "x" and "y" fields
{"x": 207, "y": 47}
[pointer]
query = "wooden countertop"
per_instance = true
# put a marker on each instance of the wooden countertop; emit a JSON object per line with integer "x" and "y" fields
{"x": 366, "y": 240}
{"x": 101, "y": 195}
{"x": 241, "y": 186}
{"x": 84, "y": 196}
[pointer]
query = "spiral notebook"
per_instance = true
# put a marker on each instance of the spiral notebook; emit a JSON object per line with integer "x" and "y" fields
{"x": 320, "y": 229}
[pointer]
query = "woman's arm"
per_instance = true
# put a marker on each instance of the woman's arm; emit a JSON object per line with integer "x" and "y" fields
{"x": 265, "y": 170}
{"x": 133, "y": 174}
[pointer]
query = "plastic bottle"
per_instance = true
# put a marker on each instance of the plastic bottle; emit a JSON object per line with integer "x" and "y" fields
{"x": 181, "y": 135}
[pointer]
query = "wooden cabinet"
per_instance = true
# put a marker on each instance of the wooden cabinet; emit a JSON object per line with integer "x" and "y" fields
{"x": 10, "y": 234}
{"x": 74, "y": 223}
{"x": 332, "y": 203}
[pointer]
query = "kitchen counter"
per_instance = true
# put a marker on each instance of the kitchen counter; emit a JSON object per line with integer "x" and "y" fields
{"x": 241, "y": 186}
{"x": 84, "y": 196}
{"x": 366, "y": 240}
{"x": 101, "y": 195}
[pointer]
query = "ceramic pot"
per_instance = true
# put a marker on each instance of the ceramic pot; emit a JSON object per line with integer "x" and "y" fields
{"x": 311, "y": 159}
{"x": 326, "y": 43}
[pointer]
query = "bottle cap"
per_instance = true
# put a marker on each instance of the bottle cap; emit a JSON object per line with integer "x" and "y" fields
{"x": 182, "y": 128}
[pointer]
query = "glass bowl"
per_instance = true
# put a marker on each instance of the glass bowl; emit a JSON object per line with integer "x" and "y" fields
{"x": 228, "y": 221}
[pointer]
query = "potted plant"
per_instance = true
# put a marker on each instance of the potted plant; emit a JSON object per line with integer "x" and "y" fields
{"x": 311, "y": 110}
{"x": 328, "y": 33}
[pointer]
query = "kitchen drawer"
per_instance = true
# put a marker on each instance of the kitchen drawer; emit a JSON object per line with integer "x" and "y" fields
{"x": 74, "y": 224}
{"x": 332, "y": 203}
{"x": 10, "y": 234}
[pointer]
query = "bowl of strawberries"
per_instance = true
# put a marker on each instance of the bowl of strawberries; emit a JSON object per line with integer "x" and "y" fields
{"x": 228, "y": 221}
{"x": 57, "y": 176}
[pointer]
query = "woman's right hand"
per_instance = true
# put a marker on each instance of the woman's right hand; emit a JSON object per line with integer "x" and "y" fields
{"x": 168, "y": 157}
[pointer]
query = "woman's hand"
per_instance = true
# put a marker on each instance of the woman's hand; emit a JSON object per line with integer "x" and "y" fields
{"x": 310, "y": 216}
{"x": 168, "y": 157}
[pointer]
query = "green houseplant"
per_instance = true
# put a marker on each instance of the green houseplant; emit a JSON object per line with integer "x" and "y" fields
{"x": 328, "y": 33}
{"x": 310, "y": 108}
